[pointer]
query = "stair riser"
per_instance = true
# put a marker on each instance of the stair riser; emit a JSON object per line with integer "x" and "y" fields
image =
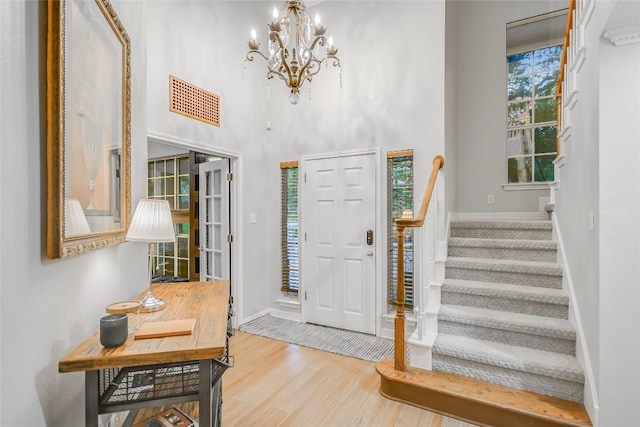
{"x": 491, "y": 233}
{"x": 537, "y": 342}
{"x": 504, "y": 277}
{"x": 496, "y": 253}
{"x": 563, "y": 389}
{"x": 505, "y": 304}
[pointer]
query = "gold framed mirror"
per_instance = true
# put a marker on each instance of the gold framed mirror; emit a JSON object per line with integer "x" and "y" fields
{"x": 88, "y": 127}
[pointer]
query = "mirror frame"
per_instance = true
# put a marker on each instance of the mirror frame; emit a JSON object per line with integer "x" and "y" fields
{"x": 59, "y": 246}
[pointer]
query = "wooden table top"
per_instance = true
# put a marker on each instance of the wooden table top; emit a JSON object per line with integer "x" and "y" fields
{"x": 207, "y": 302}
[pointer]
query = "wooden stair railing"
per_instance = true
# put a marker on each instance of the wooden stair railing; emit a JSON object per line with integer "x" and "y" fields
{"x": 563, "y": 62}
{"x": 401, "y": 224}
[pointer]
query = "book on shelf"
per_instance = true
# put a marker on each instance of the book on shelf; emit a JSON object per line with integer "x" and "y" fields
{"x": 172, "y": 417}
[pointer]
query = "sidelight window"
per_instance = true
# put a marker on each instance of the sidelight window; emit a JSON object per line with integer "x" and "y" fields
{"x": 399, "y": 200}
{"x": 289, "y": 227}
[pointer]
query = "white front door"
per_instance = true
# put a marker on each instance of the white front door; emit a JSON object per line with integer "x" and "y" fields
{"x": 214, "y": 221}
{"x": 339, "y": 218}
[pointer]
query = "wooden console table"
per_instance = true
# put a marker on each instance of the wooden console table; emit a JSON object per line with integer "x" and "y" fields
{"x": 160, "y": 371}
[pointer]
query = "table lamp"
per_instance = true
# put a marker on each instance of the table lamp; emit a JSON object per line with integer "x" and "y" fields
{"x": 151, "y": 223}
{"x": 74, "y": 220}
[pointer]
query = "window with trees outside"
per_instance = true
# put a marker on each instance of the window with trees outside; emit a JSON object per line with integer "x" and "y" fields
{"x": 168, "y": 179}
{"x": 289, "y": 227}
{"x": 531, "y": 114}
{"x": 399, "y": 199}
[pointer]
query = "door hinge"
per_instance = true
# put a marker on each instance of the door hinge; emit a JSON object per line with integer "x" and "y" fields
{"x": 230, "y": 176}
{"x": 305, "y": 178}
{"x": 305, "y": 295}
{"x": 305, "y": 236}
{"x": 230, "y": 238}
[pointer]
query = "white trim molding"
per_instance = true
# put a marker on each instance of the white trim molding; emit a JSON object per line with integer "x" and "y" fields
{"x": 582, "y": 352}
{"x": 289, "y": 303}
{"x": 526, "y": 186}
{"x": 624, "y": 35}
{"x": 236, "y": 160}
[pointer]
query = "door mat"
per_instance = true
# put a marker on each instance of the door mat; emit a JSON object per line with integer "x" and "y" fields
{"x": 333, "y": 340}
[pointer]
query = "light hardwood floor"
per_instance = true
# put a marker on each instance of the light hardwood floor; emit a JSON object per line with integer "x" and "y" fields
{"x": 279, "y": 384}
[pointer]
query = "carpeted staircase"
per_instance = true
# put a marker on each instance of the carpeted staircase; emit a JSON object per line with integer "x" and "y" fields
{"x": 504, "y": 315}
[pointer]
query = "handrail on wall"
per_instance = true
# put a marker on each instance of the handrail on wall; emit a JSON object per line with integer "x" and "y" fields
{"x": 563, "y": 62}
{"x": 401, "y": 224}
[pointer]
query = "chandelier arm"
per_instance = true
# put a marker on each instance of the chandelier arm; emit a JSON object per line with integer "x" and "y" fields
{"x": 311, "y": 69}
{"x": 336, "y": 61}
{"x": 304, "y": 68}
{"x": 311, "y": 59}
{"x": 274, "y": 36}
{"x": 317, "y": 40}
{"x": 283, "y": 56}
{"x": 277, "y": 73}
{"x": 251, "y": 52}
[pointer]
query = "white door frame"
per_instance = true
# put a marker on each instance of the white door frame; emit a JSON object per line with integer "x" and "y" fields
{"x": 235, "y": 193}
{"x": 378, "y": 239}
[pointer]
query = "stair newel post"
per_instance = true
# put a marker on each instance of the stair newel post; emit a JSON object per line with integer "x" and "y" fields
{"x": 399, "y": 344}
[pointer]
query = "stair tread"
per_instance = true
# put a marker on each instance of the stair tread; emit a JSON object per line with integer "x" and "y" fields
{"x": 510, "y": 321}
{"x": 502, "y": 224}
{"x": 538, "y": 362}
{"x": 506, "y": 290}
{"x": 471, "y": 398}
{"x": 529, "y": 267}
{"x": 478, "y": 242}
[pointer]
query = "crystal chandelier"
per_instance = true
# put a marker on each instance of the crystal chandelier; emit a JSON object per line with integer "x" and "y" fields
{"x": 302, "y": 61}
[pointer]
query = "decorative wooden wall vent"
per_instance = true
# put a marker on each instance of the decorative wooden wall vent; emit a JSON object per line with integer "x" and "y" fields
{"x": 194, "y": 102}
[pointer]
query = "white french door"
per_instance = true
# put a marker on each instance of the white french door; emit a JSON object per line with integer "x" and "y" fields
{"x": 339, "y": 263}
{"x": 214, "y": 220}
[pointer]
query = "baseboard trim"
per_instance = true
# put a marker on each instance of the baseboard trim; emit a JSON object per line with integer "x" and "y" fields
{"x": 253, "y": 317}
{"x": 281, "y": 314}
{"x": 288, "y": 315}
{"x": 582, "y": 353}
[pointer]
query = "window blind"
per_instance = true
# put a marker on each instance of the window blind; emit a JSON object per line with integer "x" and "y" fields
{"x": 289, "y": 227}
{"x": 399, "y": 198}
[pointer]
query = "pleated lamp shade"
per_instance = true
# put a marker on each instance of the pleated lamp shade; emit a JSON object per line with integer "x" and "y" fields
{"x": 74, "y": 220}
{"x": 151, "y": 222}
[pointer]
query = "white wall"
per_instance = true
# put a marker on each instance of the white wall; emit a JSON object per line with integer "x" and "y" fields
{"x": 451, "y": 106}
{"x": 619, "y": 233}
{"x": 599, "y": 179}
{"x": 48, "y": 307}
{"x": 482, "y": 107}
{"x": 392, "y": 57}
{"x": 576, "y": 197}
{"x": 619, "y": 223}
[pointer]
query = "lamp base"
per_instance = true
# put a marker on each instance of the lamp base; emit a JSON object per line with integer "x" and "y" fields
{"x": 150, "y": 303}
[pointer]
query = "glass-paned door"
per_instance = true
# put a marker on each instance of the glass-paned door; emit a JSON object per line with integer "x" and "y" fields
{"x": 214, "y": 221}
